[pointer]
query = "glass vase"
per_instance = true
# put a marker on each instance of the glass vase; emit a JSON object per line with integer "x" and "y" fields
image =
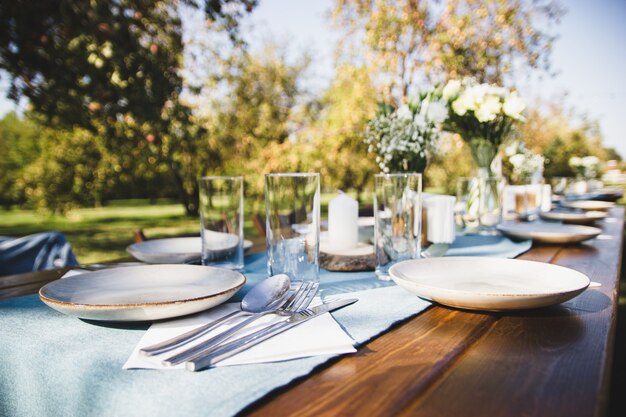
{"x": 485, "y": 154}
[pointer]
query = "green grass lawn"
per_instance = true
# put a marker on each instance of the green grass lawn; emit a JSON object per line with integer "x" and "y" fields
{"x": 100, "y": 234}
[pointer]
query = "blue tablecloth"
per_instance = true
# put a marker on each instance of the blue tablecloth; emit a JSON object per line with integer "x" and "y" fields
{"x": 52, "y": 364}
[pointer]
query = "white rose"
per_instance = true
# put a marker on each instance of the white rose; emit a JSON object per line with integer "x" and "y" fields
{"x": 478, "y": 93}
{"x": 511, "y": 149}
{"x": 451, "y": 89}
{"x": 517, "y": 160}
{"x": 496, "y": 91}
{"x": 404, "y": 112}
{"x": 489, "y": 109}
{"x": 514, "y": 106}
{"x": 437, "y": 112}
{"x": 464, "y": 103}
{"x": 575, "y": 161}
{"x": 590, "y": 161}
{"x": 420, "y": 120}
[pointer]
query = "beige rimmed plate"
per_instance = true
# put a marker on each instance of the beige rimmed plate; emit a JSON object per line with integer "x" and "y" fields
{"x": 142, "y": 293}
{"x": 585, "y": 217}
{"x": 491, "y": 284}
{"x": 588, "y": 205}
{"x": 549, "y": 232}
{"x": 176, "y": 250}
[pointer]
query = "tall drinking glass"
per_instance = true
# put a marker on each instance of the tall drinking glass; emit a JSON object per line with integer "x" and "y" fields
{"x": 221, "y": 220}
{"x": 397, "y": 219}
{"x": 292, "y": 213}
{"x": 468, "y": 204}
{"x": 490, "y": 206}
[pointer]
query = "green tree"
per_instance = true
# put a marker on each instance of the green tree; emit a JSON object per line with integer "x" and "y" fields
{"x": 73, "y": 168}
{"x": 19, "y": 139}
{"x": 411, "y": 42}
{"x": 111, "y": 67}
{"x": 339, "y": 152}
{"x": 551, "y": 130}
{"x": 255, "y": 116}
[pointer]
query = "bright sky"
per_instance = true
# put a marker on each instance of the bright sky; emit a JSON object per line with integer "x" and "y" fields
{"x": 589, "y": 56}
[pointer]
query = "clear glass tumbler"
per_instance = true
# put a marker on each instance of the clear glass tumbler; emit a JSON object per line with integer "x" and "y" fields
{"x": 490, "y": 206}
{"x": 397, "y": 218}
{"x": 221, "y": 221}
{"x": 292, "y": 213}
{"x": 468, "y": 204}
{"x": 528, "y": 201}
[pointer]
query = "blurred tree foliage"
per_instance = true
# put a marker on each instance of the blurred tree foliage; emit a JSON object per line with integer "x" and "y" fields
{"x": 411, "y": 42}
{"x": 337, "y": 132}
{"x": 125, "y": 103}
{"x": 20, "y": 144}
{"x": 256, "y": 109}
{"x": 111, "y": 67}
{"x": 553, "y": 133}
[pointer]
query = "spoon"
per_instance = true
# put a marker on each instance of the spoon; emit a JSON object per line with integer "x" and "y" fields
{"x": 267, "y": 295}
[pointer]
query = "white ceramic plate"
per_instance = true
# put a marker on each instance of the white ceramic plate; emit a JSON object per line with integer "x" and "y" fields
{"x": 142, "y": 293}
{"x": 549, "y": 232}
{"x": 176, "y": 250}
{"x": 492, "y": 284}
{"x": 588, "y": 205}
{"x": 586, "y": 217}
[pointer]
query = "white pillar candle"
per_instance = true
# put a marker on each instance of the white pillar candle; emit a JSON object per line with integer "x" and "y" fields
{"x": 343, "y": 228}
{"x": 546, "y": 198}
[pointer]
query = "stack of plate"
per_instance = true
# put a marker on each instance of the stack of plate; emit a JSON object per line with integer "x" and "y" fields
{"x": 591, "y": 205}
{"x": 574, "y": 217}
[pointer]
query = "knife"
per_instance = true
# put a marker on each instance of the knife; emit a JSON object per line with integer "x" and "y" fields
{"x": 207, "y": 359}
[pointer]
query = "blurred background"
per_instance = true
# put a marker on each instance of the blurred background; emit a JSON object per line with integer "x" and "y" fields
{"x": 111, "y": 110}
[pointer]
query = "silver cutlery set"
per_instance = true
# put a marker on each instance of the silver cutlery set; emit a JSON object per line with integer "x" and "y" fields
{"x": 276, "y": 295}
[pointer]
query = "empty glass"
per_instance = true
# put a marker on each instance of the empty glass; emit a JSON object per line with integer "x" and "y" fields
{"x": 397, "y": 218}
{"x": 490, "y": 204}
{"x": 221, "y": 220}
{"x": 468, "y": 204}
{"x": 292, "y": 208}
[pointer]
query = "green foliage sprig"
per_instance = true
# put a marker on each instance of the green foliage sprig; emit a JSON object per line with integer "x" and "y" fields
{"x": 403, "y": 138}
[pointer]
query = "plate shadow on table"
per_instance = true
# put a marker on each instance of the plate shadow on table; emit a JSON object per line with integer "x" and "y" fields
{"x": 124, "y": 325}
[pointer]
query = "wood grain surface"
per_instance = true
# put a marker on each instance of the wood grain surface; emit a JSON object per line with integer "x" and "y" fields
{"x": 447, "y": 362}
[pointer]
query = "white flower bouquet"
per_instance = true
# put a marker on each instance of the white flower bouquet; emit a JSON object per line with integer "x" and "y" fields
{"x": 483, "y": 114}
{"x": 527, "y": 166}
{"x": 403, "y": 138}
{"x": 586, "y": 167}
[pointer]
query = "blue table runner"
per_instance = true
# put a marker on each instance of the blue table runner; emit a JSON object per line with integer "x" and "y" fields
{"x": 57, "y": 365}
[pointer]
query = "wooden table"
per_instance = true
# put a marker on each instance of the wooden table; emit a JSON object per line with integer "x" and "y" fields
{"x": 446, "y": 362}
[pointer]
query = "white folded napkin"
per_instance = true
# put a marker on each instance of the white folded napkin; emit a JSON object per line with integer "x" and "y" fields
{"x": 440, "y": 225}
{"x": 318, "y": 336}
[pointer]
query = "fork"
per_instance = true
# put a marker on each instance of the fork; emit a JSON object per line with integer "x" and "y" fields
{"x": 297, "y": 302}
